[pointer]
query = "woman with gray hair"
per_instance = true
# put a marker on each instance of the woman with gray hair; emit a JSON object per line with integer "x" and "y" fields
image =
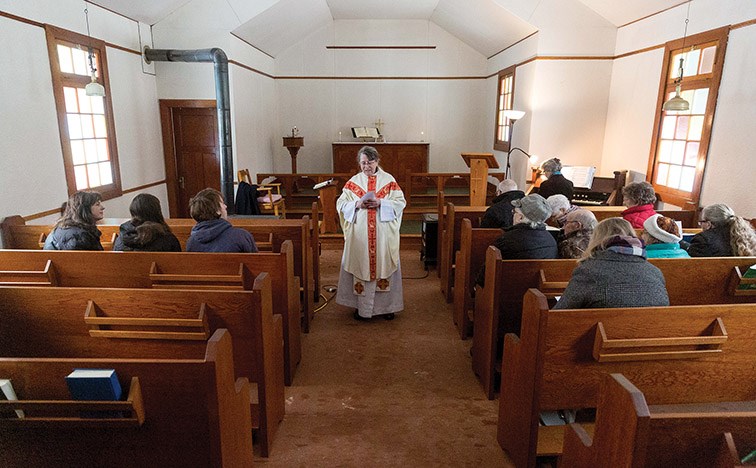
{"x": 555, "y": 182}
{"x": 639, "y": 198}
{"x": 723, "y": 234}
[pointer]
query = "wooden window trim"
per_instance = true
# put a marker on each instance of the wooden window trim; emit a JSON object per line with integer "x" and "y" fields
{"x": 54, "y": 35}
{"x": 501, "y": 145}
{"x": 683, "y": 199}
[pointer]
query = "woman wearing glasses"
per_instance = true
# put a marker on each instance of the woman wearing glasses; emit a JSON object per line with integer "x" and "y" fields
{"x": 723, "y": 234}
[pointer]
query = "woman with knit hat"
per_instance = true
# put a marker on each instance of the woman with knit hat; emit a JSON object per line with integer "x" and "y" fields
{"x": 662, "y": 238}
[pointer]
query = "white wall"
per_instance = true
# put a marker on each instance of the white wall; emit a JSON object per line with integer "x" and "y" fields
{"x": 31, "y": 162}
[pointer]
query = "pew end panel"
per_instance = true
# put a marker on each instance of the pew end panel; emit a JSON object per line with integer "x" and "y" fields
{"x": 487, "y": 300}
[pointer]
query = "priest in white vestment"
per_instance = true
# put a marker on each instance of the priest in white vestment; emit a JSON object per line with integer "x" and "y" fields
{"x": 370, "y": 209}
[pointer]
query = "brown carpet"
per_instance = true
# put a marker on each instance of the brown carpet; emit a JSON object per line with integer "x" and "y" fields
{"x": 386, "y": 393}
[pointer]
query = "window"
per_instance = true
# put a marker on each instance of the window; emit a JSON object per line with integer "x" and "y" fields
{"x": 504, "y": 100}
{"x": 87, "y": 132}
{"x": 681, "y": 139}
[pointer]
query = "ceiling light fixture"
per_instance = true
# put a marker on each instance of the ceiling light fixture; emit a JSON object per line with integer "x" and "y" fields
{"x": 677, "y": 103}
{"x": 94, "y": 88}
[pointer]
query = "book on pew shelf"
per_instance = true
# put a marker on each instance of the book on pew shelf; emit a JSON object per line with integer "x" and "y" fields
{"x": 95, "y": 385}
{"x": 7, "y": 393}
{"x": 749, "y": 273}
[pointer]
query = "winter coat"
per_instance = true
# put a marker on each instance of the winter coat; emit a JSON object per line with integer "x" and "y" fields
{"x": 160, "y": 238}
{"x": 670, "y": 250}
{"x": 555, "y": 185}
{"x": 73, "y": 238}
{"x": 218, "y": 235}
{"x": 246, "y": 199}
{"x": 612, "y": 279}
{"x": 714, "y": 242}
{"x": 574, "y": 244}
{"x": 501, "y": 211}
{"x": 522, "y": 241}
{"x": 636, "y": 215}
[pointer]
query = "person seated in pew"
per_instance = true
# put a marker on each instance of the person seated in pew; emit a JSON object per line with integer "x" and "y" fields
{"x": 560, "y": 207}
{"x": 578, "y": 230}
{"x": 723, "y": 234}
{"x": 614, "y": 272}
{"x": 501, "y": 212}
{"x": 146, "y": 230}
{"x": 662, "y": 237}
{"x": 77, "y": 228}
{"x": 555, "y": 182}
{"x": 639, "y": 198}
{"x": 528, "y": 237}
{"x": 213, "y": 232}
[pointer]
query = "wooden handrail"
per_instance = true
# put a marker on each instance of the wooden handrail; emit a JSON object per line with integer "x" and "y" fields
{"x": 602, "y": 343}
{"x": 45, "y": 277}
{"x": 62, "y": 408}
{"x": 550, "y": 288}
{"x": 737, "y": 281}
{"x": 95, "y": 322}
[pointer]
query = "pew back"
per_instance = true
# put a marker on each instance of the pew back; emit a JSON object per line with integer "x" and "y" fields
{"x": 451, "y": 236}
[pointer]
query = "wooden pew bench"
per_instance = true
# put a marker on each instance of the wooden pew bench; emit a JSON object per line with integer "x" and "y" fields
{"x": 498, "y": 305}
{"x": 631, "y": 432}
{"x": 166, "y": 324}
{"x": 163, "y": 270}
{"x": 675, "y": 354}
{"x": 450, "y": 238}
{"x": 179, "y": 412}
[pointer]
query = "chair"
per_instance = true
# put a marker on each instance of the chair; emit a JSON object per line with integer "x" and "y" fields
{"x": 270, "y": 201}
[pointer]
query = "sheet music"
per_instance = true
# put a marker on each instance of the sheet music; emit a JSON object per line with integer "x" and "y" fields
{"x": 581, "y": 176}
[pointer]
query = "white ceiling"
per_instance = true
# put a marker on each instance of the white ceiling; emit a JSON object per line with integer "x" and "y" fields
{"x": 274, "y": 25}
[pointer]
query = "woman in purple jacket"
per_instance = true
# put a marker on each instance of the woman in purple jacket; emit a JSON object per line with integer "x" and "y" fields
{"x": 213, "y": 232}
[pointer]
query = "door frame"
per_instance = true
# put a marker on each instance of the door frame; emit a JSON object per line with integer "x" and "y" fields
{"x": 169, "y": 147}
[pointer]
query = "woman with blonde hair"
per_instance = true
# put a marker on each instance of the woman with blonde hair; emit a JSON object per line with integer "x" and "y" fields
{"x": 613, "y": 272}
{"x": 723, "y": 234}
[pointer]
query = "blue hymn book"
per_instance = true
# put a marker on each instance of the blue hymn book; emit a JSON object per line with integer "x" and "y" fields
{"x": 92, "y": 385}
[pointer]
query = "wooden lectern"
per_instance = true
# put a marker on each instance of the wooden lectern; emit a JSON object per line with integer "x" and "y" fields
{"x": 479, "y": 164}
{"x": 327, "y": 195}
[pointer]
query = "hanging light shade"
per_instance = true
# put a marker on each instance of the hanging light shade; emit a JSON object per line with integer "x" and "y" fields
{"x": 676, "y": 103}
{"x": 94, "y": 88}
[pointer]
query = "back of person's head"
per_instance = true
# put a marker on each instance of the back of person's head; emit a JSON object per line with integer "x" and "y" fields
{"x": 558, "y": 202}
{"x": 205, "y": 205}
{"x": 146, "y": 207}
{"x": 604, "y": 232}
{"x": 638, "y": 193}
{"x": 533, "y": 208}
{"x": 586, "y": 218}
{"x": 78, "y": 210}
{"x": 552, "y": 165}
{"x": 742, "y": 234}
{"x": 506, "y": 185}
{"x": 659, "y": 229}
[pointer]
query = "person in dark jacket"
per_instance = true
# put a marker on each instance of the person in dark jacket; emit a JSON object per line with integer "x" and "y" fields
{"x": 501, "y": 211}
{"x": 639, "y": 198}
{"x": 614, "y": 272}
{"x": 555, "y": 182}
{"x": 723, "y": 234}
{"x": 146, "y": 230}
{"x": 213, "y": 232}
{"x": 528, "y": 237}
{"x": 77, "y": 229}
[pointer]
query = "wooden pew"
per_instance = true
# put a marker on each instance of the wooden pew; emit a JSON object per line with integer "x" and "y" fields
{"x": 181, "y": 412}
{"x": 450, "y": 238}
{"x": 470, "y": 259}
{"x": 676, "y": 354}
{"x": 498, "y": 305}
{"x": 167, "y": 270}
{"x": 130, "y": 323}
{"x": 631, "y": 432}
{"x": 686, "y": 217}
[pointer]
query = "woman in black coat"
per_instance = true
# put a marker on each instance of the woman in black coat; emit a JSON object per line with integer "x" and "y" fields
{"x": 555, "y": 183}
{"x": 77, "y": 229}
{"x": 146, "y": 230}
{"x": 723, "y": 234}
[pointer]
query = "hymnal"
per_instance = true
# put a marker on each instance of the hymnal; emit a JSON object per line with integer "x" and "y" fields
{"x": 94, "y": 384}
{"x": 7, "y": 393}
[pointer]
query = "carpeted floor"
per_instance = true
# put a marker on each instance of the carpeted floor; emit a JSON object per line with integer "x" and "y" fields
{"x": 386, "y": 393}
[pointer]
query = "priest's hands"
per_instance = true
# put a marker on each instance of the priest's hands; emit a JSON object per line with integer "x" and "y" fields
{"x": 371, "y": 204}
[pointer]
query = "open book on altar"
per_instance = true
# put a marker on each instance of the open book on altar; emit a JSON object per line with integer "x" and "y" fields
{"x": 365, "y": 132}
{"x": 581, "y": 176}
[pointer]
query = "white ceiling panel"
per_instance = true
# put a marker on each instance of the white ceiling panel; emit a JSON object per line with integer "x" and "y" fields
{"x": 623, "y": 12}
{"x": 146, "y": 11}
{"x": 482, "y": 24}
{"x": 382, "y": 9}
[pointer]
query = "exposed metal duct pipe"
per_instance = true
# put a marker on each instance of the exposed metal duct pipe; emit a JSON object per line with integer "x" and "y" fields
{"x": 222, "y": 102}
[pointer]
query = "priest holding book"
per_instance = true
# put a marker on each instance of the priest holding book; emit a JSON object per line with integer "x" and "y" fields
{"x": 370, "y": 211}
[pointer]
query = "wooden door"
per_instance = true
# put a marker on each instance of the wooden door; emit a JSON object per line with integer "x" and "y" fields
{"x": 192, "y": 154}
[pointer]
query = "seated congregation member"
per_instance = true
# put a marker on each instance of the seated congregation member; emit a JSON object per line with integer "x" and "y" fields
{"x": 77, "y": 228}
{"x": 213, "y": 232}
{"x": 723, "y": 234}
{"x": 639, "y": 198}
{"x": 662, "y": 238}
{"x": 614, "y": 272}
{"x": 560, "y": 206}
{"x": 578, "y": 230}
{"x": 499, "y": 214}
{"x": 555, "y": 183}
{"x": 146, "y": 230}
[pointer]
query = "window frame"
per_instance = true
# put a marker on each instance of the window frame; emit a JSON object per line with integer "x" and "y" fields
{"x": 503, "y": 145}
{"x": 59, "y": 81}
{"x": 684, "y": 199}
